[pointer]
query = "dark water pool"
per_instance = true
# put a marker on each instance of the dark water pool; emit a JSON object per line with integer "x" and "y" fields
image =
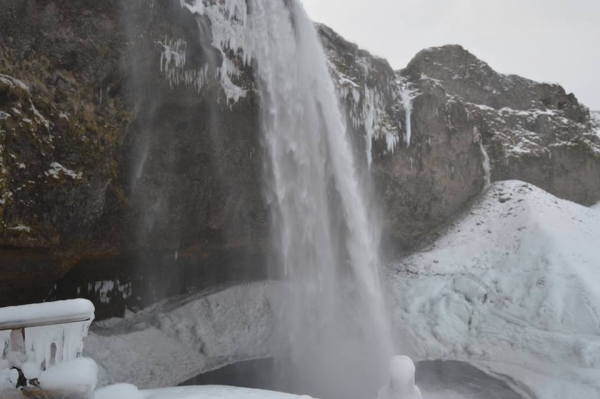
{"x": 436, "y": 379}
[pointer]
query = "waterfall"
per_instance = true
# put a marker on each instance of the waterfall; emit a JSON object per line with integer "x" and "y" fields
{"x": 323, "y": 233}
{"x": 327, "y": 242}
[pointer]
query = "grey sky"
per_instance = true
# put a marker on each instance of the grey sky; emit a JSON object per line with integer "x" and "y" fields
{"x": 545, "y": 40}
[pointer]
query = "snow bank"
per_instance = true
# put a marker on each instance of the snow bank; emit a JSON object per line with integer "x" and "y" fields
{"x": 515, "y": 282}
{"x": 216, "y": 392}
{"x": 119, "y": 391}
{"x": 176, "y": 341}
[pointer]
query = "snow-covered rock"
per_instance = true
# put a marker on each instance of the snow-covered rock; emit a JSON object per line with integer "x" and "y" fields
{"x": 175, "y": 341}
{"x": 512, "y": 285}
{"x": 401, "y": 384}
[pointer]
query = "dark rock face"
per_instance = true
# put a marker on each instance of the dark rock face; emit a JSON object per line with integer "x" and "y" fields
{"x": 124, "y": 161}
{"x": 107, "y": 160}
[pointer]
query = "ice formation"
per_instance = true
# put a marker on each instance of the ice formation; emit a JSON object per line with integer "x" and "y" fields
{"x": 401, "y": 384}
{"x": 38, "y": 338}
{"x": 407, "y": 95}
{"x": 228, "y": 30}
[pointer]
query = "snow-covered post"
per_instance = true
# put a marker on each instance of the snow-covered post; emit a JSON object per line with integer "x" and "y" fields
{"x": 401, "y": 384}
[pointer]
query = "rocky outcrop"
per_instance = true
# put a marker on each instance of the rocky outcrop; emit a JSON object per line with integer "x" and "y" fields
{"x": 130, "y": 153}
{"x": 448, "y": 124}
{"x": 534, "y": 132}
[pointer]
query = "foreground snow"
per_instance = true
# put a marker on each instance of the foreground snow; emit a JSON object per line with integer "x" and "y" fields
{"x": 401, "y": 385}
{"x": 513, "y": 287}
{"x": 126, "y": 391}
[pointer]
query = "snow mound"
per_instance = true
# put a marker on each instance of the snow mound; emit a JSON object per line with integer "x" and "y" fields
{"x": 70, "y": 374}
{"x": 515, "y": 281}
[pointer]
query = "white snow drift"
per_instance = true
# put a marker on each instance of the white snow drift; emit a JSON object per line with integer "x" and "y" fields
{"x": 514, "y": 287}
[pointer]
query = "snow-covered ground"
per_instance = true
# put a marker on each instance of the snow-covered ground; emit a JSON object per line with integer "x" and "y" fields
{"x": 514, "y": 287}
{"x": 126, "y": 391}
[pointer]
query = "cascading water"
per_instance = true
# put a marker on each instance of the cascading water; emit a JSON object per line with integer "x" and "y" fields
{"x": 327, "y": 243}
{"x": 325, "y": 239}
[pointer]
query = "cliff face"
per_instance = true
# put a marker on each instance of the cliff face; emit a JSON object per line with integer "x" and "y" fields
{"x": 448, "y": 124}
{"x": 123, "y": 151}
{"x": 118, "y": 155}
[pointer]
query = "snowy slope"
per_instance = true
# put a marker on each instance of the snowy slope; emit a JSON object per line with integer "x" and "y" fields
{"x": 514, "y": 287}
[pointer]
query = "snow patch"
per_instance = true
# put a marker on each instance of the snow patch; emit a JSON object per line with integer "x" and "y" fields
{"x": 106, "y": 290}
{"x": 20, "y": 227}
{"x": 12, "y": 82}
{"x": 595, "y": 117}
{"x": 57, "y": 169}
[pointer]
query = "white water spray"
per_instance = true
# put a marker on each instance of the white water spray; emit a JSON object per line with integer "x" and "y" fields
{"x": 326, "y": 240}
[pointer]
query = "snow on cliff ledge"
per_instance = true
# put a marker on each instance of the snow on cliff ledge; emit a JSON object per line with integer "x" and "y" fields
{"x": 513, "y": 286}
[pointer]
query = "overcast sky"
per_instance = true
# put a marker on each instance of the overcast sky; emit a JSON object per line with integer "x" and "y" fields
{"x": 545, "y": 40}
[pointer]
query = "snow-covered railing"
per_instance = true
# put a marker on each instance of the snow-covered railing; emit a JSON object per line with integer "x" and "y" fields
{"x": 43, "y": 345}
{"x": 46, "y": 314}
